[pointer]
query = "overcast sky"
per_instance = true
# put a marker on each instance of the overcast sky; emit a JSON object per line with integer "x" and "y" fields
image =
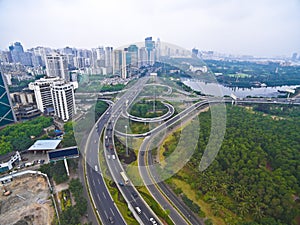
{"x": 255, "y": 27}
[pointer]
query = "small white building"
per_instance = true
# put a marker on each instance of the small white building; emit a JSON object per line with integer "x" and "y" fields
{"x": 5, "y": 166}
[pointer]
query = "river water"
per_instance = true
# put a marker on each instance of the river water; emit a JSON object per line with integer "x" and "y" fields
{"x": 220, "y": 90}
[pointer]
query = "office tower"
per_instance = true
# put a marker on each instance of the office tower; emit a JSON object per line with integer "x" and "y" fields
{"x": 132, "y": 56}
{"x": 124, "y": 64}
{"x": 294, "y": 56}
{"x": 195, "y": 52}
{"x": 63, "y": 99}
{"x": 16, "y": 51}
{"x": 109, "y": 59}
{"x": 142, "y": 56}
{"x": 150, "y": 48}
{"x": 7, "y": 114}
{"x": 42, "y": 93}
{"x": 57, "y": 66}
{"x": 5, "y": 56}
{"x": 100, "y": 57}
{"x": 158, "y": 49}
{"x": 117, "y": 61}
{"x": 79, "y": 62}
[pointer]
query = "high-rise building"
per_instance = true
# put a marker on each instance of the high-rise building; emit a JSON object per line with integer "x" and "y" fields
{"x": 55, "y": 96}
{"x": 132, "y": 56}
{"x": 63, "y": 99}
{"x": 7, "y": 114}
{"x": 42, "y": 93}
{"x": 117, "y": 61}
{"x": 57, "y": 66}
{"x": 109, "y": 59}
{"x": 124, "y": 64}
{"x": 294, "y": 56}
{"x": 100, "y": 57}
{"x": 150, "y": 48}
{"x": 142, "y": 56}
{"x": 158, "y": 49}
{"x": 17, "y": 52}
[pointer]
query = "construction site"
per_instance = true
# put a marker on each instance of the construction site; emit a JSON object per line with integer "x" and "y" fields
{"x": 26, "y": 200}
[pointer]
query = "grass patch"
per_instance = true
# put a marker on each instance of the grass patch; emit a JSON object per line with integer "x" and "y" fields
{"x": 187, "y": 190}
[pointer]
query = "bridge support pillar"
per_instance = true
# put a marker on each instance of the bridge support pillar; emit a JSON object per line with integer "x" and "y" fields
{"x": 66, "y": 165}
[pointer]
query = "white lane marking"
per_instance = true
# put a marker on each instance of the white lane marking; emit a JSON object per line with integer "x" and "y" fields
{"x": 112, "y": 211}
{"x": 99, "y": 181}
{"x": 105, "y": 214}
{"x": 104, "y": 195}
{"x": 98, "y": 197}
{"x": 94, "y": 183}
{"x": 145, "y": 215}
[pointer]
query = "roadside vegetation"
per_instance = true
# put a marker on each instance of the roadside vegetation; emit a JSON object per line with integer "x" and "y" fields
{"x": 100, "y": 108}
{"x": 20, "y": 136}
{"x": 144, "y": 109}
{"x": 254, "y": 178}
{"x": 247, "y": 74}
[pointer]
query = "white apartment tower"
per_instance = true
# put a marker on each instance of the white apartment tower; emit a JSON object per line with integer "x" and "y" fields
{"x": 42, "y": 92}
{"x": 55, "y": 96}
{"x": 57, "y": 66}
{"x": 63, "y": 99}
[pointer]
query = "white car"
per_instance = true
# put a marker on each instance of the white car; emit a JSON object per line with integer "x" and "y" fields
{"x": 152, "y": 221}
{"x": 113, "y": 156}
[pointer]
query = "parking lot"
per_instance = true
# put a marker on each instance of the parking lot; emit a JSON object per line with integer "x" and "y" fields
{"x": 31, "y": 160}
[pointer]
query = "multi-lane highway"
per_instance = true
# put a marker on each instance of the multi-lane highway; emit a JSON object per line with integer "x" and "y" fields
{"x": 104, "y": 204}
{"x": 136, "y": 204}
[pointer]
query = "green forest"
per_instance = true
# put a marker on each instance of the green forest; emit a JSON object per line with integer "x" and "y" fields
{"x": 271, "y": 73}
{"x": 255, "y": 178}
{"x": 19, "y": 136}
{"x": 144, "y": 108}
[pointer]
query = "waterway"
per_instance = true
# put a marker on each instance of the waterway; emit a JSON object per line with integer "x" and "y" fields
{"x": 221, "y": 90}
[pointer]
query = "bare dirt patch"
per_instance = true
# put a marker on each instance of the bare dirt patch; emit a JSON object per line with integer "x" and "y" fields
{"x": 29, "y": 202}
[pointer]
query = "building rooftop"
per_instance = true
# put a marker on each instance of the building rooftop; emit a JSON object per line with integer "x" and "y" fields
{"x": 44, "y": 145}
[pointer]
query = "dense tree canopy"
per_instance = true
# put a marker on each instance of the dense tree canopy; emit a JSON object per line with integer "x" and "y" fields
{"x": 256, "y": 174}
{"x": 19, "y": 136}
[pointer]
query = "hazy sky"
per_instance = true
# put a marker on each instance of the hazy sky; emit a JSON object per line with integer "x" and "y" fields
{"x": 257, "y": 27}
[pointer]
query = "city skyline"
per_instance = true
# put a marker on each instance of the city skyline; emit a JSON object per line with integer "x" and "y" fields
{"x": 259, "y": 28}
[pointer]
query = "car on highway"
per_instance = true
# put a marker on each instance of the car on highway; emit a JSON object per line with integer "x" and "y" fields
{"x": 152, "y": 221}
{"x": 108, "y": 156}
{"x": 121, "y": 183}
{"x": 96, "y": 168}
{"x": 138, "y": 210}
{"x": 111, "y": 220}
{"x": 113, "y": 156}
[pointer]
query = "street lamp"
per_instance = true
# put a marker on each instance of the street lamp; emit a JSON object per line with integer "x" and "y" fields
{"x": 126, "y": 141}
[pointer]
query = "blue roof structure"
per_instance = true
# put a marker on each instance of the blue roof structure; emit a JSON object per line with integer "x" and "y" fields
{"x": 63, "y": 153}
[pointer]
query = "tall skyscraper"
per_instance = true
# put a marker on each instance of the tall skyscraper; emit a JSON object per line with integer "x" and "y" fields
{"x": 16, "y": 51}
{"x": 132, "y": 56}
{"x": 7, "y": 114}
{"x": 63, "y": 99}
{"x": 158, "y": 49}
{"x": 109, "y": 59}
{"x": 150, "y": 48}
{"x": 142, "y": 56}
{"x": 57, "y": 66}
{"x": 117, "y": 61}
{"x": 124, "y": 64}
{"x": 55, "y": 96}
